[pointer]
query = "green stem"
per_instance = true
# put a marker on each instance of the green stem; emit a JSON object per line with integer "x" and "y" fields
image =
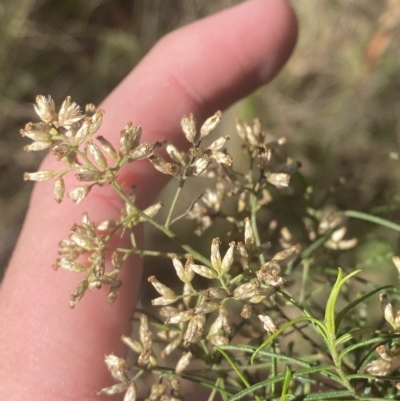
{"x": 336, "y": 360}
{"x": 373, "y": 219}
{"x": 254, "y": 209}
{"x": 214, "y": 391}
{"x": 160, "y": 227}
{"x": 274, "y": 370}
{"x": 174, "y": 202}
{"x": 145, "y": 252}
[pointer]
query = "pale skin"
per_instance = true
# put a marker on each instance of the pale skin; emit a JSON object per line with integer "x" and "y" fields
{"x": 48, "y": 351}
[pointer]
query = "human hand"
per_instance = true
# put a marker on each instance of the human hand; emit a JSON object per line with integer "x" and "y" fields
{"x": 49, "y": 352}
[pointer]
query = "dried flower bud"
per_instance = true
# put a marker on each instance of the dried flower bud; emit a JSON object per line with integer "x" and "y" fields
{"x": 200, "y": 165}
{"x": 132, "y": 344}
{"x": 61, "y": 150}
{"x": 162, "y": 301}
{"x": 109, "y": 280}
{"x": 142, "y": 151}
{"x": 246, "y": 312}
{"x": 204, "y": 271}
{"x": 188, "y": 125}
{"x": 219, "y": 143}
{"x": 97, "y": 155}
{"x": 215, "y": 292}
{"x": 246, "y": 290}
{"x": 287, "y": 253}
{"x": 185, "y": 274}
{"x": 227, "y": 261}
{"x": 45, "y": 109}
{"x": 36, "y": 146}
{"x": 88, "y": 175}
{"x": 387, "y": 309}
{"x": 144, "y": 358}
{"x": 215, "y": 254}
{"x": 180, "y": 317}
{"x": 163, "y": 166}
{"x": 172, "y": 346}
{"x": 379, "y": 367}
{"x": 96, "y": 119}
{"x": 224, "y": 316}
{"x": 157, "y": 390}
{"x": 218, "y": 339}
{"x": 79, "y": 193}
{"x": 39, "y": 176}
{"x": 210, "y": 124}
{"x": 82, "y": 241}
{"x": 206, "y": 307}
{"x": 175, "y": 155}
{"x": 249, "y": 238}
{"x": 216, "y": 327}
{"x": 152, "y": 210}
{"x": 279, "y": 180}
{"x": 115, "y": 389}
{"x": 270, "y": 274}
{"x": 396, "y": 261}
{"x": 116, "y": 366}
{"x": 78, "y": 293}
{"x": 144, "y": 328}
{"x": 99, "y": 263}
{"x": 183, "y": 362}
{"x": 267, "y": 322}
{"x": 190, "y": 332}
{"x": 222, "y": 158}
{"x": 83, "y": 133}
{"x": 107, "y": 225}
{"x": 108, "y": 147}
{"x": 39, "y": 132}
{"x": 70, "y": 265}
{"x": 112, "y": 295}
{"x": 168, "y": 311}
{"x": 243, "y": 249}
{"x": 162, "y": 289}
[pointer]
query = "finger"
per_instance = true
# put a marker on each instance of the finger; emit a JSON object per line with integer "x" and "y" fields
{"x": 51, "y": 351}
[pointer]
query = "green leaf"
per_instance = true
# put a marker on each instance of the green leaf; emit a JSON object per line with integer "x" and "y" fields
{"x": 327, "y": 395}
{"x": 373, "y": 219}
{"x": 330, "y": 305}
{"x": 353, "y": 334}
{"x": 251, "y": 349}
{"x": 236, "y": 368}
{"x": 362, "y": 344}
{"x": 353, "y": 304}
{"x": 283, "y": 328}
{"x": 286, "y": 384}
{"x": 298, "y": 374}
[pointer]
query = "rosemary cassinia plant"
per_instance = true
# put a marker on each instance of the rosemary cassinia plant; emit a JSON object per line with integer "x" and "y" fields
{"x": 244, "y": 320}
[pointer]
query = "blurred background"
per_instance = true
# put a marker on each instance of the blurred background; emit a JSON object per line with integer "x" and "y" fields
{"x": 337, "y": 100}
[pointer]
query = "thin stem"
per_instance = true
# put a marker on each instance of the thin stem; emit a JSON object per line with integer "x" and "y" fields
{"x": 254, "y": 209}
{"x": 304, "y": 280}
{"x": 274, "y": 370}
{"x": 214, "y": 391}
{"x": 174, "y": 202}
{"x": 160, "y": 227}
{"x": 336, "y": 360}
{"x": 145, "y": 252}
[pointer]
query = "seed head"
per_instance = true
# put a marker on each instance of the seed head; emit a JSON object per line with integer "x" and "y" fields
{"x": 183, "y": 363}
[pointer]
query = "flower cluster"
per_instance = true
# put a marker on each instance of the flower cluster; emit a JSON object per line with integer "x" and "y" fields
{"x": 85, "y": 241}
{"x": 208, "y": 315}
{"x": 234, "y": 299}
{"x": 70, "y": 136}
